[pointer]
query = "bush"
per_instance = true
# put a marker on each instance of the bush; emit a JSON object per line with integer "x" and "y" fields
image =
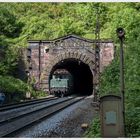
{"x": 16, "y": 90}
{"x": 133, "y": 122}
{"x": 10, "y": 84}
{"x": 94, "y": 129}
{"x": 39, "y": 94}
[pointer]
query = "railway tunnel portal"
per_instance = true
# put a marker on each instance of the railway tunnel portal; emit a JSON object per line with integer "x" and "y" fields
{"x": 73, "y": 53}
{"x": 81, "y": 73}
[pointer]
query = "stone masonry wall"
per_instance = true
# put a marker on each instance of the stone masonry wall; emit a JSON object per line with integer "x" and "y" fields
{"x": 41, "y": 54}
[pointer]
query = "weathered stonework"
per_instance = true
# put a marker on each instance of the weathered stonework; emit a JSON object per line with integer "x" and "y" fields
{"x": 43, "y": 55}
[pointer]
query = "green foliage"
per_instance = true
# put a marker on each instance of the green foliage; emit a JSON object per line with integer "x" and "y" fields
{"x": 39, "y": 94}
{"x": 23, "y": 21}
{"x": 9, "y": 25}
{"x": 133, "y": 122}
{"x": 110, "y": 79}
{"x": 16, "y": 90}
{"x": 8, "y": 65}
{"x": 10, "y": 28}
{"x": 11, "y": 85}
{"x": 94, "y": 129}
{"x": 110, "y": 83}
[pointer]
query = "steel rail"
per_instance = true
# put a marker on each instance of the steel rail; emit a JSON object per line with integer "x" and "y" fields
{"x": 22, "y": 104}
{"x": 5, "y": 116}
{"x": 22, "y": 121}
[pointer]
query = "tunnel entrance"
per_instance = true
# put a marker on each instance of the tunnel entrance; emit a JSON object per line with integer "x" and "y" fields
{"x": 82, "y": 75}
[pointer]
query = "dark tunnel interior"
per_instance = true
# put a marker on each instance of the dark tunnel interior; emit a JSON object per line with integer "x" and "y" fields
{"x": 82, "y": 75}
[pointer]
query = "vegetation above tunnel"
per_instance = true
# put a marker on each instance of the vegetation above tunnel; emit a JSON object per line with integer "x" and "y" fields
{"x": 51, "y": 20}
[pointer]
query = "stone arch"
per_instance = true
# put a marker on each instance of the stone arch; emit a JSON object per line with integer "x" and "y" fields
{"x": 68, "y": 55}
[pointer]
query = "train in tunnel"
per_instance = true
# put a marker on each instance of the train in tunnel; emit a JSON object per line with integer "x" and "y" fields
{"x": 61, "y": 83}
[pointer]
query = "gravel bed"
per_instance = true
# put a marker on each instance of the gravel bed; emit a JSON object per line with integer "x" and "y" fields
{"x": 66, "y": 123}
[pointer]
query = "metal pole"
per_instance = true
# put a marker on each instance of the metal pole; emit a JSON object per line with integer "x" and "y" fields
{"x": 122, "y": 81}
{"x": 121, "y": 35}
{"x": 97, "y": 56}
{"x": 39, "y": 65}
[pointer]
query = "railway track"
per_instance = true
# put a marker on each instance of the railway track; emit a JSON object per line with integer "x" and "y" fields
{"x": 26, "y": 103}
{"x": 12, "y": 122}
